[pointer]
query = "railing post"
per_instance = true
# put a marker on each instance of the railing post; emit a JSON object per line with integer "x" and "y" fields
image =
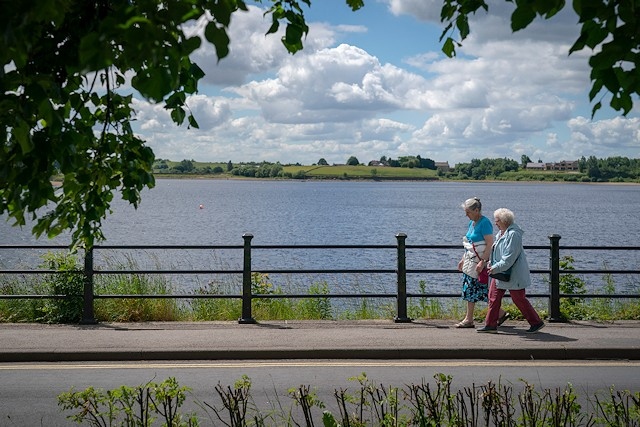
{"x": 88, "y": 317}
{"x": 401, "y": 315}
{"x": 554, "y": 279}
{"x": 246, "y": 281}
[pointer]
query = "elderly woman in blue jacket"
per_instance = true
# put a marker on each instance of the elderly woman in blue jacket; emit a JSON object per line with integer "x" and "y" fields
{"x": 507, "y": 254}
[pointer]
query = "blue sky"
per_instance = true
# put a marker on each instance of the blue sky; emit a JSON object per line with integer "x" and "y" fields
{"x": 375, "y": 83}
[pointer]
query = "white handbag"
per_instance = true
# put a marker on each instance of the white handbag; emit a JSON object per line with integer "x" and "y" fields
{"x": 470, "y": 260}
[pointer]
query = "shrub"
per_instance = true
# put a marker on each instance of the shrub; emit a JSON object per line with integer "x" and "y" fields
{"x": 370, "y": 404}
{"x": 571, "y": 308}
{"x": 66, "y": 288}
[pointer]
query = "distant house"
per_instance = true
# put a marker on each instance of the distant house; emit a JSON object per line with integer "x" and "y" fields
{"x": 443, "y": 166}
{"x": 536, "y": 166}
{"x": 568, "y": 165}
{"x": 564, "y": 165}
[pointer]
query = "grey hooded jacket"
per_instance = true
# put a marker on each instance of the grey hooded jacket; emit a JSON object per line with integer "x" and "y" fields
{"x": 508, "y": 251}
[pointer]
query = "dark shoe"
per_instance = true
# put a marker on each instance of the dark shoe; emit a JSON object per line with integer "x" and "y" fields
{"x": 535, "y": 328}
{"x": 488, "y": 329}
{"x": 504, "y": 318}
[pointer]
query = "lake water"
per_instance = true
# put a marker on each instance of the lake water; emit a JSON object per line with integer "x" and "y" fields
{"x": 219, "y": 212}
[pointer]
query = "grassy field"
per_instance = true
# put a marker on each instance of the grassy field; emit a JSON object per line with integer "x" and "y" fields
{"x": 361, "y": 171}
{"x": 252, "y": 170}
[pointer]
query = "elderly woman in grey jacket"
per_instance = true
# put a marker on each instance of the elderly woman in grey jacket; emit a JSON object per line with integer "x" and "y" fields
{"x": 507, "y": 254}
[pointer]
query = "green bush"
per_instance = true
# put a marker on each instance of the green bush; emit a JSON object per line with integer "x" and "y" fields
{"x": 129, "y": 406}
{"x": 421, "y": 404}
{"x": 571, "y": 308}
{"x": 317, "y": 307}
{"x": 66, "y": 288}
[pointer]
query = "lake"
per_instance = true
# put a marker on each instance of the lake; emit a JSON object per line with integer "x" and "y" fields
{"x": 219, "y": 212}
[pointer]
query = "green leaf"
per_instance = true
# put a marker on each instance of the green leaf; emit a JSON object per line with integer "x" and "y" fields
{"x": 192, "y": 122}
{"x": 628, "y": 12}
{"x": 219, "y": 38}
{"x": 191, "y": 44}
{"x": 595, "y": 108}
{"x": 176, "y": 99}
{"x": 577, "y": 7}
{"x": 222, "y": 10}
{"x": 449, "y": 48}
{"x": 328, "y": 420}
{"x": 355, "y": 4}
{"x": 293, "y": 38}
{"x": 22, "y": 135}
{"x": 591, "y": 34}
{"x": 178, "y": 115}
{"x": 462, "y": 23}
{"x": 626, "y": 103}
{"x": 92, "y": 53}
{"x": 595, "y": 88}
{"x": 153, "y": 84}
{"x": 196, "y": 72}
{"x": 134, "y": 20}
{"x": 275, "y": 25}
{"x": 548, "y": 8}
{"x": 447, "y": 11}
{"x": 610, "y": 81}
{"x": 522, "y": 17}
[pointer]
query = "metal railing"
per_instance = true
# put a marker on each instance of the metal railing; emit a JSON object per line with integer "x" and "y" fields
{"x": 401, "y": 271}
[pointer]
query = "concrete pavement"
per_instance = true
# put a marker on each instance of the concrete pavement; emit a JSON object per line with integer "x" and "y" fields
{"x": 370, "y": 339}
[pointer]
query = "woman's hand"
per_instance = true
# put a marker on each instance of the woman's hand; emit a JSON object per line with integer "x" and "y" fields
{"x": 480, "y": 265}
{"x": 460, "y": 264}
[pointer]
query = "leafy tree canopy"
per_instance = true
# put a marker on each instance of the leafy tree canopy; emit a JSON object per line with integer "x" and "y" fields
{"x": 63, "y": 66}
{"x": 353, "y": 161}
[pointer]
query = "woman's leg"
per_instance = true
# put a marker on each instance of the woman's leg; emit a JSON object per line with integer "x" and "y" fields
{"x": 472, "y": 292}
{"x": 495, "y": 300}
{"x": 470, "y": 308}
{"x": 519, "y": 298}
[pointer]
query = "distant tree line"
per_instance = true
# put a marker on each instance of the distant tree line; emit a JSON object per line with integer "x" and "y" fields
{"x": 405, "y": 162}
{"x": 591, "y": 169}
{"x": 483, "y": 169}
{"x": 610, "y": 169}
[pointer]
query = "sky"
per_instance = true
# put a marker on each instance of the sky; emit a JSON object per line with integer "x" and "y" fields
{"x": 375, "y": 83}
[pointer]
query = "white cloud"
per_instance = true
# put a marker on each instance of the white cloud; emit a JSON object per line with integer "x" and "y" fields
{"x": 251, "y": 50}
{"x": 426, "y": 10}
{"x": 503, "y": 96}
{"x": 339, "y": 84}
{"x": 209, "y": 112}
{"x": 602, "y": 135}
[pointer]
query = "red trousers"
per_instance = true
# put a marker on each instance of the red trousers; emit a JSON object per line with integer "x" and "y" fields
{"x": 518, "y": 297}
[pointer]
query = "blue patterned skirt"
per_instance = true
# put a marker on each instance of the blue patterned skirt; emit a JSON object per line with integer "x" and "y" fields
{"x": 474, "y": 291}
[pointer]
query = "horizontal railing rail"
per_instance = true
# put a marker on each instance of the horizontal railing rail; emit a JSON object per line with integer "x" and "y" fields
{"x": 247, "y": 296}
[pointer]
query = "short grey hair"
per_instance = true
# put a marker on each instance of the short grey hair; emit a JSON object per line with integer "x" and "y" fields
{"x": 505, "y": 216}
{"x": 472, "y": 204}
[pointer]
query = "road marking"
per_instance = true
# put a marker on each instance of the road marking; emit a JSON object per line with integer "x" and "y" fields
{"x": 312, "y": 363}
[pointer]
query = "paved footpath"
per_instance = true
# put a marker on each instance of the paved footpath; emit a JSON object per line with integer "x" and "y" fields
{"x": 378, "y": 339}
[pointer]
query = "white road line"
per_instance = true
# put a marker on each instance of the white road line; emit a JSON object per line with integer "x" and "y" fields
{"x": 285, "y": 364}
